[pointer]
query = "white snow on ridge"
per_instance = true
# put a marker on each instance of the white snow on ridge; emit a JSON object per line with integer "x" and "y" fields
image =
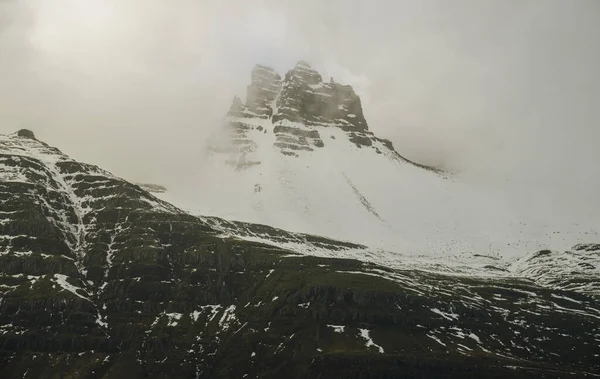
{"x": 407, "y": 217}
{"x": 48, "y": 157}
{"x": 400, "y": 211}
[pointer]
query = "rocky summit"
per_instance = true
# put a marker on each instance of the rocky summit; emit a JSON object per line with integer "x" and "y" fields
{"x": 298, "y": 154}
{"x": 100, "y": 279}
{"x": 293, "y": 109}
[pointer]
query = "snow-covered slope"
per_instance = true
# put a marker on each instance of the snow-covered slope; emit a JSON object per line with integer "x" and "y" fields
{"x": 577, "y": 269}
{"x": 74, "y": 198}
{"x": 100, "y": 278}
{"x": 298, "y": 155}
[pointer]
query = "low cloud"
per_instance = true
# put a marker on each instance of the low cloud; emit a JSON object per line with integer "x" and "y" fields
{"x": 506, "y": 92}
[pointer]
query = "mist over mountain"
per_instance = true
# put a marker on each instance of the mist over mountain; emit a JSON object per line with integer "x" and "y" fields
{"x": 299, "y": 189}
{"x": 298, "y": 153}
{"x": 99, "y": 278}
{"x": 508, "y": 98}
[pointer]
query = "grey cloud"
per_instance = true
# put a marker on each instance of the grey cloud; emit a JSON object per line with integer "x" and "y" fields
{"x": 507, "y": 92}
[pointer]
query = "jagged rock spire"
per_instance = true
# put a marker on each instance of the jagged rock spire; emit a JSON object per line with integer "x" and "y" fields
{"x": 306, "y": 98}
{"x": 237, "y": 108}
{"x": 262, "y": 91}
{"x": 302, "y": 96}
{"x": 303, "y": 73}
{"x": 301, "y": 101}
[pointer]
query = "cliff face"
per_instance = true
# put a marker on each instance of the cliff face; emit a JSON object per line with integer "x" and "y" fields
{"x": 305, "y": 98}
{"x": 294, "y": 109}
{"x": 100, "y": 279}
{"x": 298, "y": 154}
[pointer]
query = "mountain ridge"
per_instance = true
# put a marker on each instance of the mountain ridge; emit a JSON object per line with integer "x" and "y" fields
{"x": 99, "y": 278}
{"x": 298, "y": 155}
{"x": 301, "y": 97}
{"x": 576, "y": 269}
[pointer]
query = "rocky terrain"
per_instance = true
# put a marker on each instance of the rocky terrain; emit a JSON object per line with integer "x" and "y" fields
{"x": 298, "y": 154}
{"x": 100, "y": 279}
{"x": 293, "y": 109}
{"x": 152, "y": 188}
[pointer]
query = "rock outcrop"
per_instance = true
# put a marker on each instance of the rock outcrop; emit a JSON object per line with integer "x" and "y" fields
{"x": 152, "y": 187}
{"x": 26, "y": 133}
{"x": 262, "y": 92}
{"x": 306, "y": 99}
{"x": 294, "y": 110}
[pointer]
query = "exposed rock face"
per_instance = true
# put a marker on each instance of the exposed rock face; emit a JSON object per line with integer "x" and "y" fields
{"x": 237, "y": 108}
{"x": 295, "y": 110}
{"x": 306, "y": 99}
{"x": 98, "y": 278}
{"x": 153, "y": 188}
{"x": 262, "y": 91}
{"x": 26, "y": 133}
{"x": 291, "y": 139}
{"x": 238, "y": 145}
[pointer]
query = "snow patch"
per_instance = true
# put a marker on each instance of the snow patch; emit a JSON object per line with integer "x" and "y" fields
{"x": 337, "y": 328}
{"x": 364, "y": 333}
{"x": 173, "y": 318}
{"x": 227, "y": 318}
{"x": 446, "y": 315}
{"x": 62, "y": 281}
{"x": 436, "y": 339}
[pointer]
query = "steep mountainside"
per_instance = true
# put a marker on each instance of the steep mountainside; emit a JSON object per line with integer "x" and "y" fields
{"x": 99, "y": 279}
{"x": 299, "y": 155}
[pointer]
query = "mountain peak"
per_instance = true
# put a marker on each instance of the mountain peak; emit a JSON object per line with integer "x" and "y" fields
{"x": 262, "y": 91}
{"x": 302, "y": 72}
{"x": 302, "y": 64}
{"x": 295, "y": 109}
{"x": 237, "y": 108}
{"x": 98, "y": 277}
{"x": 260, "y": 67}
{"x": 301, "y": 97}
{"x": 26, "y": 133}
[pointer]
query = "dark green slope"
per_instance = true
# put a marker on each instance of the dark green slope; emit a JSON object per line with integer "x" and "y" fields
{"x": 99, "y": 279}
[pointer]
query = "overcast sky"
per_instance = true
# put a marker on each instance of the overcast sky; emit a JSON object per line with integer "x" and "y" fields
{"x": 505, "y": 91}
